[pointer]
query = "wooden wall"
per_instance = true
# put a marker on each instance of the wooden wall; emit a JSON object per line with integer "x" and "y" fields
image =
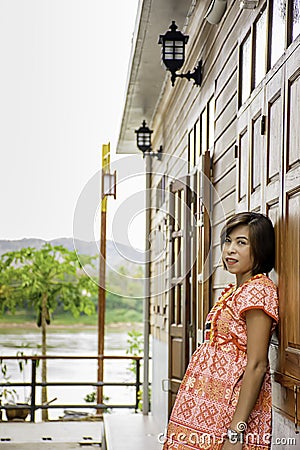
{"x": 258, "y": 139}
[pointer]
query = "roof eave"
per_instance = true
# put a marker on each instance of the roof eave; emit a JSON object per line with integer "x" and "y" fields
{"x": 146, "y": 76}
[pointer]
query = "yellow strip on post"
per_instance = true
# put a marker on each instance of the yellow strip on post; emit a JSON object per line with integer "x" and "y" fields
{"x": 106, "y": 157}
{"x": 105, "y": 169}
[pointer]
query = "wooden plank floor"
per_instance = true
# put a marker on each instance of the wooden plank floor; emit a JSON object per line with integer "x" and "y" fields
{"x": 131, "y": 431}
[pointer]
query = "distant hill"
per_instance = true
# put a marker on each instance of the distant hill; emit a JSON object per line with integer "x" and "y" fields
{"x": 116, "y": 254}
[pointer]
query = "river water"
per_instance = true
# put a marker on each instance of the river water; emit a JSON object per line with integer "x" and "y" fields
{"x": 82, "y": 342}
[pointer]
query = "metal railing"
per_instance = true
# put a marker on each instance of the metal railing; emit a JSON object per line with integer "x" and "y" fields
{"x": 34, "y": 384}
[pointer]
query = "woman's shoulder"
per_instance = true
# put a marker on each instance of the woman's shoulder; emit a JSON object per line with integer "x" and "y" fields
{"x": 260, "y": 286}
{"x": 258, "y": 292}
{"x": 260, "y": 281}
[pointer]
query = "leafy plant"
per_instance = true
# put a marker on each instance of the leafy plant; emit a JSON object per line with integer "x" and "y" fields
{"x": 11, "y": 395}
{"x": 135, "y": 347}
{"x": 135, "y": 343}
{"x": 21, "y": 364}
{"x": 5, "y": 392}
{"x": 92, "y": 398}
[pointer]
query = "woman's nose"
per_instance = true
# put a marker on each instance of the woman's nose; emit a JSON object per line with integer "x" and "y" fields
{"x": 231, "y": 248}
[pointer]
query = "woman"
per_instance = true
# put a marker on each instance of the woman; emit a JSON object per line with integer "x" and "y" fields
{"x": 224, "y": 401}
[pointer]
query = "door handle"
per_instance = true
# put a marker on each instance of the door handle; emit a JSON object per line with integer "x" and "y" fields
{"x": 166, "y": 385}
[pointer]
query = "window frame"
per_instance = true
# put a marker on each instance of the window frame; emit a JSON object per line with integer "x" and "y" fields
{"x": 288, "y": 40}
{"x": 196, "y": 146}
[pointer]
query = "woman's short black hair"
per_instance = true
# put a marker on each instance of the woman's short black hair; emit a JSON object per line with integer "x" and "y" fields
{"x": 261, "y": 235}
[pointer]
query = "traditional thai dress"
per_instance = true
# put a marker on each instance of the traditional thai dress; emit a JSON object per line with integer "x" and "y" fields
{"x": 209, "y": 392}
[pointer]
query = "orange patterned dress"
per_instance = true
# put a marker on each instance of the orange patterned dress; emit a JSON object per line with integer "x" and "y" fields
{"x": 209, "y": 392}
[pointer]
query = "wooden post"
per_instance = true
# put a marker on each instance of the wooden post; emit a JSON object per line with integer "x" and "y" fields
{"x": 44, "y": 353}
{"x": 146, "y": 405}
{"x": 102, "y": 271}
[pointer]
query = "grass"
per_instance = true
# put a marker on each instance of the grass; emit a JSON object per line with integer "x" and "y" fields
{"x": 67, "y": 319}
{"x": 18, "y": 317}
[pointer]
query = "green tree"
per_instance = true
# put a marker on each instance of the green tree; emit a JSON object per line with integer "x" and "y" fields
{"x": 44, "y": 279}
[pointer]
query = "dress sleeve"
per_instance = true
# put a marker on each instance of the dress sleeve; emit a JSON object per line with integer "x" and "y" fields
{"x": 259, "y": 293}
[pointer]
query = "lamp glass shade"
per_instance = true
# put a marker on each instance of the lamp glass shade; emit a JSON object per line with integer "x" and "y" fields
{"x": 143, "y": 137}
{"x": 173, "y": 48}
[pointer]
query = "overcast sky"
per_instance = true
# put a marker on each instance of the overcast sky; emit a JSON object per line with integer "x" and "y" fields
{"x": 63, "y": 74}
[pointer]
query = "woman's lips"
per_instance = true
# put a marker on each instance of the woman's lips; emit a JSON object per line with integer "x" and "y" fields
{"x": 231, "y": 261}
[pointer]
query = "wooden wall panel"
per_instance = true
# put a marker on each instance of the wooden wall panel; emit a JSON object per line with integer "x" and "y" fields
{"x": 243, "y": 165}
{"x": 226, "y": 205}
{"x": 228, "y": 91}
{"x": 256, "y": 153}
{"x": 292, "y": 291}
{"x": 228, "y": 161}
{"x": 226, "y": 118}
{"x": 274, "y": 148}
{"x": 225, "y": 185}
{"x": 226, "y": 140}
{"x": 294, "y": 114}
{"x": 227, "y": 74}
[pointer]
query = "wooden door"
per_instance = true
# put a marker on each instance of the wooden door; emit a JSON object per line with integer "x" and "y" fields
{"x": 273, "y": 160}
{"x": 289, "y": 288}
{"x": 204, "y": 302}
{"x": 251, "y": 145}
{"x": 273, "y": 180}
{"x": 194, "y": 253}
{"x": 273, "y": 163}
{"x": 180, "y": 298}
{"x": 257, "y": 143}
{"x": 268, "y": 180}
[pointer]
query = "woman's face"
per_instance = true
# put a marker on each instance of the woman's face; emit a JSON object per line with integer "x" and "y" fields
{"x": 236, "y": 253}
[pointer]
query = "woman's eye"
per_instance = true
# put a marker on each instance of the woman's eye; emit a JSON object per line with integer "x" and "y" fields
{"x": 242, "y": 242}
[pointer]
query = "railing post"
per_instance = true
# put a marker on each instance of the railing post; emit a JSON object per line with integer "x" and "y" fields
{"x": 33, "y": 390}
{"x": 137, "y": 382}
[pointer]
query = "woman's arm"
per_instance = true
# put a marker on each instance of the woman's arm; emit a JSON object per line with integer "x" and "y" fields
{"x": 258, "y": 336}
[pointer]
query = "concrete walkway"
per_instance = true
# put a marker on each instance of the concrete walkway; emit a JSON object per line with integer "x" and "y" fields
{"x": 131, "y": 432}
{"x": 50, "y": 435}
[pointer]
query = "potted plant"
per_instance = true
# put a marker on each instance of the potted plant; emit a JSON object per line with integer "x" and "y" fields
{"x": 8, "y": 396}
{"x": 17, "y": 411}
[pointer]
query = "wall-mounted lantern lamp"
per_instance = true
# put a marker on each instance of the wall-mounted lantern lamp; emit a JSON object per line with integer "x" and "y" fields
{"x": 143, "y": 141}
{"x": 173, "y": 55}
{"x": 249, "y": 4}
